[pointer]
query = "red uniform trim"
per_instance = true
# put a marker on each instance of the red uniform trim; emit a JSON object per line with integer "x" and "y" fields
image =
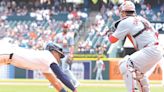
{"x": 131, "y": 40}
{"x": 157, "y": 34}
{"x": 112, "y": 39}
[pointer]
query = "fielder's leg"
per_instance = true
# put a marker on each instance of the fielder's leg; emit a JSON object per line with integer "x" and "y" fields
{"x": 143, "y": 84}
{"x": 127, "y": 76}
{"x": 99, "y": 74}
{"x": 68, "y": 72}
{"x": 101, "y": 78}
{"x": 55, "y": 82}
{"x": 131, "y": 75}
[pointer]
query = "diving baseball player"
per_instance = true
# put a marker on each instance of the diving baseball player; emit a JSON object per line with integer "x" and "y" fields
{"x": 144, "y": 39}
{"x": 66, "y": 41}
{"x": 44, "y": 61}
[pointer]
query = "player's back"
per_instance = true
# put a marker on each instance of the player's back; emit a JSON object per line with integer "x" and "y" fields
{"x": 140, "y": 30}
{"x": 32, "y": 59}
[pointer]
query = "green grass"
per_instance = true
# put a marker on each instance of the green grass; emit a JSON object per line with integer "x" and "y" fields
{"x": 101, "y": 89}
{"x": 22, "y": 88}
{"x": 26, "y": 85}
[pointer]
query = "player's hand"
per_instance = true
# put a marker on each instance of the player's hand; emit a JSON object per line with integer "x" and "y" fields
{"x": 107, "y": 33}
{"x": 75, "y": 90}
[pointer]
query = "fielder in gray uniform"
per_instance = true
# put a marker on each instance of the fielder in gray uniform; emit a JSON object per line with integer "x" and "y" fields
{"x": 99, "y": 67}
{"x": 66, "y": 40}
{"x": 144, "y": 38}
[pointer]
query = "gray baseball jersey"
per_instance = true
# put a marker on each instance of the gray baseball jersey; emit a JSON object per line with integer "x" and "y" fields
{"x": 133, "y": 25}
{"x": 144, "y": 38}
{"x": 99, "y": 64}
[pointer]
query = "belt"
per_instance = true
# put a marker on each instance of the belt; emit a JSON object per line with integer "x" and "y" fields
{"x": 11, "y": 55}
{"x": 154, "y": 44}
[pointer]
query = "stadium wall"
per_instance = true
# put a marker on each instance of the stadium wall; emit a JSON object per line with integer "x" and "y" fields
{"x": 112, "y": 71}
{"x": 82, "y": 69}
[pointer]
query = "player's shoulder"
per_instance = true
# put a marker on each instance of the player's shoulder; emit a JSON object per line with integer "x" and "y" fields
{"x": 140, "y": 17}
{"x": 127, "y": 21}
{"x": 121, "y": 21}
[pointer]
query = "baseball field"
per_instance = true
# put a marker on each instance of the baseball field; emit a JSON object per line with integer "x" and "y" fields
{"x": 28, "y": 85}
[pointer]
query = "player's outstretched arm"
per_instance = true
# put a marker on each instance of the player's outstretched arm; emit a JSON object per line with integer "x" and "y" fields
{"x": 55, "y": 82}
{"x": 56, "y": 69}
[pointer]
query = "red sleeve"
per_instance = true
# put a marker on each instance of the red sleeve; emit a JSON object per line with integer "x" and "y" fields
{"x": 112, "y": 39}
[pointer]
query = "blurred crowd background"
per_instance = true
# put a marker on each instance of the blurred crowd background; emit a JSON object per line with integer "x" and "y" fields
{"x": 33, "y": 23}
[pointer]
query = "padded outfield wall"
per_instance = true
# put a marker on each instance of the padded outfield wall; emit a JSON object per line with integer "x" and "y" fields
{"x": 112, "y": 71}
{"x": 82, "y": 69}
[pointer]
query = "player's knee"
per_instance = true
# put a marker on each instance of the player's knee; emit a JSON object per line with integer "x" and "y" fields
{"x": 144, "y": 81}
{"x": 139, "y": 75}
{"x": 123, "y": 65}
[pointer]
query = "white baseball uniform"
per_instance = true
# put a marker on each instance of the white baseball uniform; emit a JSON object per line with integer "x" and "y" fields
{"x": 144, "y": 38}
{"x": 26, "y": 58}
